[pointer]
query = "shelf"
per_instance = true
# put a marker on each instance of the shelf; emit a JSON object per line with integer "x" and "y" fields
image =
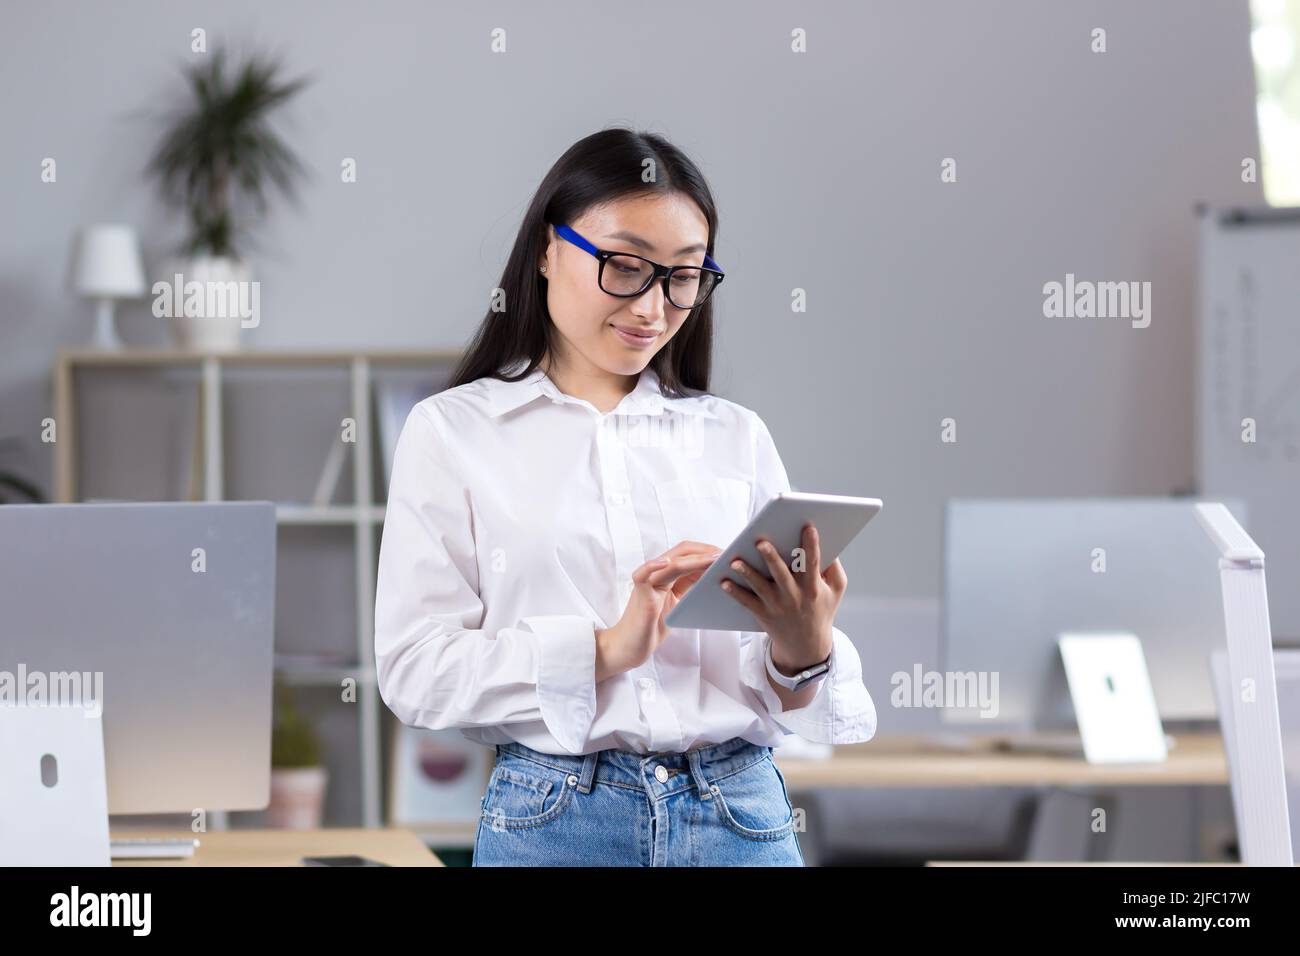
{"x": 324, "y": 677}
{"x": 363, "y": 519}
{"x": 129, "y": 357}
{"x": 328, "y": 514}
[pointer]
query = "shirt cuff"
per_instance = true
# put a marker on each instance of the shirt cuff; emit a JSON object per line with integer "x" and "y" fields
{"x": 841, "y": 711}
{"x": 566, "y": 676}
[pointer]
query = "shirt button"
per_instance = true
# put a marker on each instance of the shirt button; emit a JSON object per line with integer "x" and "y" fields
{"x": 646, "y": 683}
{"x": 617, "y": 499}
{"x": 661, "y": 773}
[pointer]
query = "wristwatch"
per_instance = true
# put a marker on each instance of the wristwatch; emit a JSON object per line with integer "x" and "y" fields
{"x": 806, "y": 677}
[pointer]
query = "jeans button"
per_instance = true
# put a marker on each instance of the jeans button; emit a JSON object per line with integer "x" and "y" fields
{"x": 661, "y": 773}
{"x": 572, "y": 779}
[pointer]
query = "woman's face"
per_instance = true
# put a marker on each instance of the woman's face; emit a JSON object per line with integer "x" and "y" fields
{"x": 598, "y": 331}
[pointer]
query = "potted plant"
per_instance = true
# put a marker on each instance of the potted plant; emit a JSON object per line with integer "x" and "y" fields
{"x": 218, "y": 154}
{"x": 298, "y": 778}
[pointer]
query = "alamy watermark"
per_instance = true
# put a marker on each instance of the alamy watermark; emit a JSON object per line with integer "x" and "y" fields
{"x": 83, "y": 689}
{"x": 1103, "y": 300}
{"x": 681, "y": 432}
{"x": 958, "y": 690}
{"x": 209, "y": 299}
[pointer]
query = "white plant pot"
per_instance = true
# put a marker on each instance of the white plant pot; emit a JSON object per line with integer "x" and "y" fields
{"x": 297, "y": 798}
{"x": 221, "y": 331}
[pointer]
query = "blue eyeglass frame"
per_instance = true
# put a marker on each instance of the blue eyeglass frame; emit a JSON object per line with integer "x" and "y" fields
{"x": 660, "y": 271}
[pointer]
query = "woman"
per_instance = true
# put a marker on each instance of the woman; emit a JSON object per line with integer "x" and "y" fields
{"x": 550, "y": 507}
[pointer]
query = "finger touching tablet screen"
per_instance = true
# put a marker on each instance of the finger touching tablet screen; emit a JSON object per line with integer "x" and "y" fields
{"x": 838, "y": 520}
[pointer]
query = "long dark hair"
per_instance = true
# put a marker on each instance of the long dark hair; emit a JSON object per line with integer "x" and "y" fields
{"x": 599, "y": 168}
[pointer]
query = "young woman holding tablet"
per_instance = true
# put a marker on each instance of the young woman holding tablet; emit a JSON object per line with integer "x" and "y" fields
{"x": 550, "y": 507}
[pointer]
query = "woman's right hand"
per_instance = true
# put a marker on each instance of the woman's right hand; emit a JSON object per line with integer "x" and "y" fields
{"x": 657, "y": 587}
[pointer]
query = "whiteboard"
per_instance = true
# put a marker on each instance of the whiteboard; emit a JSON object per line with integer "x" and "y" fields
{"x": 1249, "y": 368}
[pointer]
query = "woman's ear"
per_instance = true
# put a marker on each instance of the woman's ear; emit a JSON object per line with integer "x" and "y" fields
{"x": 546, "y": 249}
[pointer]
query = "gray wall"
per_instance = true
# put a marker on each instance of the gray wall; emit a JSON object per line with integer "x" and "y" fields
{"x": 924, "y": 299}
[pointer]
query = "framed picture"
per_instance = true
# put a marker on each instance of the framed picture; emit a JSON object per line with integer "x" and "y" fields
{"x": 436, "y": 777}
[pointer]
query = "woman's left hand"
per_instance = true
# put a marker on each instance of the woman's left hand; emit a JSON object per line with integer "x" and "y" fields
{"x": 797, "y": 608}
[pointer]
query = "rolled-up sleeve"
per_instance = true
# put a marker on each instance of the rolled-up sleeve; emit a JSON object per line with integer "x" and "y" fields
{"x": 841, "y": 711}
{"x": 436, "y": 668}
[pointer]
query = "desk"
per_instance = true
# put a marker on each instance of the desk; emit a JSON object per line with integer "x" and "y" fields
{"x": 288, "y": 847}
{"x": 1197, "y": 759}
{"x": 1023, "y": 863}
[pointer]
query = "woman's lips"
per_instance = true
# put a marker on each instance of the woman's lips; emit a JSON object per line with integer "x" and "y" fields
{"x": 634, "y": 340}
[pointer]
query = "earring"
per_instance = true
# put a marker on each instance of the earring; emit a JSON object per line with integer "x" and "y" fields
{"x": 543, "y": 268}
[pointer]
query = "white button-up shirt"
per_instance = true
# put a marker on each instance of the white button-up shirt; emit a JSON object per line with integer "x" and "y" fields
{"x": 516, "y": 516}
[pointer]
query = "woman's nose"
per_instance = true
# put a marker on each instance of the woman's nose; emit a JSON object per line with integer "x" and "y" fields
{"x": 651, "y": 302}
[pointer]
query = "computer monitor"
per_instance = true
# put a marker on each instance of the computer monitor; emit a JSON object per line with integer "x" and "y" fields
{"x": 173, "y": 605}
{"x": 1020, "y": 572}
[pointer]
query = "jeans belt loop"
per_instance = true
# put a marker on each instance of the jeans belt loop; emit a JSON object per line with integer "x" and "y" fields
{"x": 588, "y": 773}
{"x": 697, "y": 772}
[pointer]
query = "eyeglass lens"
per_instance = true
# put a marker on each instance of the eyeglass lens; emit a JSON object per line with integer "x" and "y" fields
{"x": 628, "y": 275}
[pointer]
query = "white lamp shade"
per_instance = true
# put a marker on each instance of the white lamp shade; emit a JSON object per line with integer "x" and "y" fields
{"x": 106, "y": 263}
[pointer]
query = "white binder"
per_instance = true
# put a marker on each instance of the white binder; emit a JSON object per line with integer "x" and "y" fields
{"x": 1258, "y": 775}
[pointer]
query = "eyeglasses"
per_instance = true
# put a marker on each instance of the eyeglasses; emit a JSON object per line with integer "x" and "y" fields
{"x": 627, "y": 276}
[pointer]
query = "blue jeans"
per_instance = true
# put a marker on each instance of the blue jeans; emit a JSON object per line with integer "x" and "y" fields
{"x": 721, "y": 805}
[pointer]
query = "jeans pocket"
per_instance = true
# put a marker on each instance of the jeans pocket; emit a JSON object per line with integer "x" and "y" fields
{"x": 753, "y": 802}
{"x": 523, "y": 793}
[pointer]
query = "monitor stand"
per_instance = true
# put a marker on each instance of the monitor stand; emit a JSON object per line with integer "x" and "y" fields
{"x": 54, "y": 804}
{"x": 54, "y": 801}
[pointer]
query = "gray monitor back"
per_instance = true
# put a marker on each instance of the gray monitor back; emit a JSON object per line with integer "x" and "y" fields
{"x": 1018, "y": 572}
{"x": 185, "y": 655}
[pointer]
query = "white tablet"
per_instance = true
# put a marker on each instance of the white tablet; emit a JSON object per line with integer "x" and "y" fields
{"x": 838, "y": 520}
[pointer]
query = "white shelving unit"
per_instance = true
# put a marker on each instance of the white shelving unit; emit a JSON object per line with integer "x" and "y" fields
{"x": 364, "y": 515}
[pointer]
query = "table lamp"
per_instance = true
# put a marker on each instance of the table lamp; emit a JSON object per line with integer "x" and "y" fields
{"x": 106, "y": 267}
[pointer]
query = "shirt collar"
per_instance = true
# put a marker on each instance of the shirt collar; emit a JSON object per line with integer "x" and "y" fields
{"x": 644, "y": 399}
